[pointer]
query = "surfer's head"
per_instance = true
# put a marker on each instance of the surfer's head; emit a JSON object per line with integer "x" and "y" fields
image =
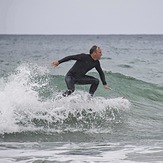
{"x": 95, "y": 52}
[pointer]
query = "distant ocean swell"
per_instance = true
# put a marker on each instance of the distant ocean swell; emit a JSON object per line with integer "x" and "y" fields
{"x": 31, "y": 104}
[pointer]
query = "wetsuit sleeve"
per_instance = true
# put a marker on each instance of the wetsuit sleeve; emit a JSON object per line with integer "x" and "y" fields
{"x": 101, "y": 73}
{"x": 71, "y": 57}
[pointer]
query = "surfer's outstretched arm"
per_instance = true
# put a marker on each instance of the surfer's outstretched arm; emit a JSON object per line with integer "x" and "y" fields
{"x": 68, "y": 58}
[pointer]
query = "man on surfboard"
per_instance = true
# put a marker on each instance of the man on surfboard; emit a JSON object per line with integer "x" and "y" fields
{"x": 84, "y": 63}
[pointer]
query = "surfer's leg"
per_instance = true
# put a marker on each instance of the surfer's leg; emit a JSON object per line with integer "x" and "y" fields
{"x": 94, "y": 85}
{"x": 70, "y": 85}
{"x": 89, "y": 80}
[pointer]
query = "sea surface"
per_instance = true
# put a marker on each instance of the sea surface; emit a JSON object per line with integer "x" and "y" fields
{"x": 37, "y": 125}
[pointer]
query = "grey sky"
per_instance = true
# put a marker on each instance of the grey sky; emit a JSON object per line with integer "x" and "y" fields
{"x": 81, "y": 16}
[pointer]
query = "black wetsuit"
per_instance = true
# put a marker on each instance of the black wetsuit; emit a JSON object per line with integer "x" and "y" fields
{"x": 77, "y": 74}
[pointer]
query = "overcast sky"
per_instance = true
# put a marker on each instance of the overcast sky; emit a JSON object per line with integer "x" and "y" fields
{"x": 81, "y": 16}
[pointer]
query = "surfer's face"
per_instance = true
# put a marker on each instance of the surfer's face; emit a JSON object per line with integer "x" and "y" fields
{"x": 98, "y": 53}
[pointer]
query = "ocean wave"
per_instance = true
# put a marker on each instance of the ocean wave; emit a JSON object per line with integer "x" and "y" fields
{"x": 31, "y": 104}
{"x": 23, "y": 108}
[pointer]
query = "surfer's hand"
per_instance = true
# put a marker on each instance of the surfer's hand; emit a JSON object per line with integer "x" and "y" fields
{"x": 107, "y": 87}
{"x": 55, "y": 63}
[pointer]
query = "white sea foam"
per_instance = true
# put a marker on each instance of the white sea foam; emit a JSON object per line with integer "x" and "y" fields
{"x": 79, "y": 152}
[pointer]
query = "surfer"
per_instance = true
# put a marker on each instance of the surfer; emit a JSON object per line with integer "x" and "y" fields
{"x": 77, "y": 74}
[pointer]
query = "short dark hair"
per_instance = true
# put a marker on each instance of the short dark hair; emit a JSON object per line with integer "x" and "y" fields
{"x": 93, "y": 49}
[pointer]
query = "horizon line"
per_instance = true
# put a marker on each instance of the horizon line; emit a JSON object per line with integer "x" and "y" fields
{"x": 80, "y": 34}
